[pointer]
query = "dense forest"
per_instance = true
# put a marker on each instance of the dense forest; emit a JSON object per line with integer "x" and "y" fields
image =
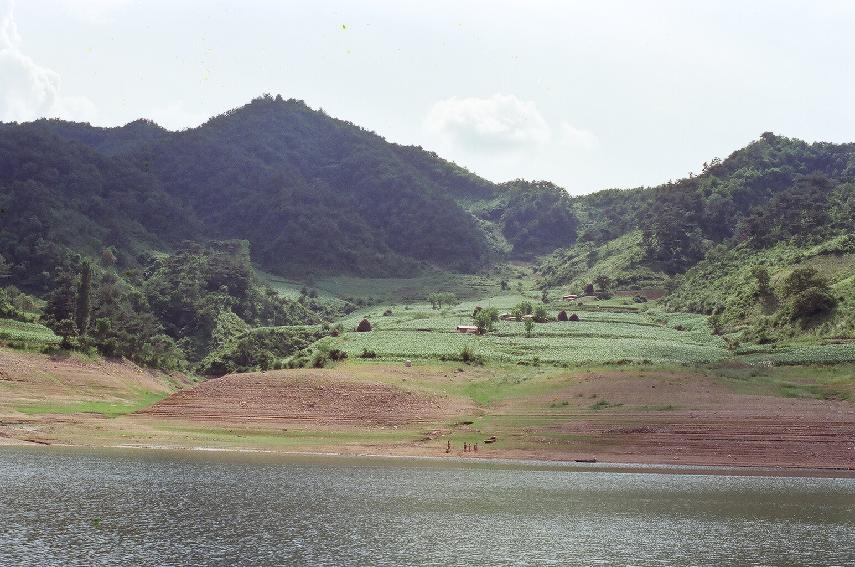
{"x": 311, "y": 193}
{"x": 138, "y": 239}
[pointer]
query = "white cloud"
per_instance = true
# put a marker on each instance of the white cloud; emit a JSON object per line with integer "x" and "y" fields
{"x": 29, "y": 90}
{"x": 500, "y": 121}
{"x": 579, "y": 138}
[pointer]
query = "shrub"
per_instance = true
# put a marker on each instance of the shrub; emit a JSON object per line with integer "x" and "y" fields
{"x": 364, "y": 326}
{"x": 529, "y": 324}
{"x": 337, "y": 354}
{"x": 639, "y": 299}
{"x": 387, "y": 313}
{"x": 469, "y": 357}
{"x": 811, "y": 302}
{"x": 368, "y": 354}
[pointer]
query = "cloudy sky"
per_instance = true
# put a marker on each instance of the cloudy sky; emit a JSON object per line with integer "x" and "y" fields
{"x": 587, "y": 94}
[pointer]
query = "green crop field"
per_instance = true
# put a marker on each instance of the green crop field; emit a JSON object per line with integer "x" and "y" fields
{"x": 419, "y": 332}
{"x": 26, "y": 335}
{"x": 799, "y": 354}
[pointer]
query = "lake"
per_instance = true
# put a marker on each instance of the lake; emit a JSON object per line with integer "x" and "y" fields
{"x": 148, "y": 507}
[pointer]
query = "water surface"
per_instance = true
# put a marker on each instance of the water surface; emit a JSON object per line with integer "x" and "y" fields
{"x": 113, "y": 507}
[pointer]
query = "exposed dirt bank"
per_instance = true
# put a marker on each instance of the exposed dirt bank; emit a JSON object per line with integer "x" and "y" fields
{"x": 666, "y": 416}
{"x": 304, "y": 396}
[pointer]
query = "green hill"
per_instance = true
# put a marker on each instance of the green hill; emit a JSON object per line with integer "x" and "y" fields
{"x": 779, "y": 204}
{"x": 312, "y": 194}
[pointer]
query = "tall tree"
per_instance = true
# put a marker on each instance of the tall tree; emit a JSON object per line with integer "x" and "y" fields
{"x": 62, "y": 302}
{"x": 84, "y": 299}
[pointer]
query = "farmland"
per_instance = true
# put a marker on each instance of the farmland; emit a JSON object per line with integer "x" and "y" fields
{"x": 415, "y": 331}
{"x": 26, "y": 335}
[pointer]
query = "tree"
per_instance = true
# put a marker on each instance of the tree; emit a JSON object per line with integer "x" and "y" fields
{"x": 761, "y": 277}
{"x": 525, "y": 307}
{"x": 62, "y": 301}
{"x": 529, "y": 325}
{"x": 5, "y": 269}
{"x": 802, "y": 279}
{"x": 544, "y": 295}
{"x": 108, "y": 256}
{"x": 84, "y": 299}
{"x": 485, "y": 319}
{"x": 603, "y": 281}
{"x": 540, "y": 314}
{"x": 438, "y": 299}
{"x": 67, "y": 330}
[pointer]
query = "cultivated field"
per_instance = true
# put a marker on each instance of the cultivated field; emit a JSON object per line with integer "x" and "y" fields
{"x": 617, "y": 332}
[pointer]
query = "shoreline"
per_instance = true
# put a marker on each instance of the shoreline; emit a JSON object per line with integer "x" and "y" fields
{"x": 485, "y": 461}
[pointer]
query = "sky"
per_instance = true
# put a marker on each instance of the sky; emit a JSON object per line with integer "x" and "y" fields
{"x": 588, "y": 95}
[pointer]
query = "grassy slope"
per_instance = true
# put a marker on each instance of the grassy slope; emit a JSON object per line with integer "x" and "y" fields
{"x": 621, "y": 259}
{"x": 34, "y": 384}
{"x": 723, "y": 282}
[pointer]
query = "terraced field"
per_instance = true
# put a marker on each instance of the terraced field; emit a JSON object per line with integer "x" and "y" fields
{"x": 603, "y": 336}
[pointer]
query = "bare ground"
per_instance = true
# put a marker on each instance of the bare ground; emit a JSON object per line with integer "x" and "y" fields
{"x": 319, "y": 397}
{"x": 668, "y": 417}
{"x": 686, "y": 419}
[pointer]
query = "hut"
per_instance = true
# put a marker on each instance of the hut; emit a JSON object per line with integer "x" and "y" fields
{"x": 562, "y": 315}
{"x": 363, "y": 327}
{"x": 573, "y": 317}
{"x": 472, "y": 329}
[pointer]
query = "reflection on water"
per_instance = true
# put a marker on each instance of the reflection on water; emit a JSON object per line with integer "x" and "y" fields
{"x": 66, "y": 507}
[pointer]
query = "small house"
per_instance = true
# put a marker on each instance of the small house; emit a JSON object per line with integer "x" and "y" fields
{"x": 467, "y": 329}
{"x": 507, "y": 317}
{"x": 570, "y": 297}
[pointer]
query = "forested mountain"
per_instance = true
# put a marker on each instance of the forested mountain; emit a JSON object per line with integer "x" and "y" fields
{"x": 311, "y": 193}
{"x": 57, "y": 196}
